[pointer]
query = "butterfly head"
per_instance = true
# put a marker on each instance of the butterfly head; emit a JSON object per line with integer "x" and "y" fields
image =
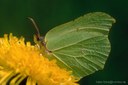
{"x": 38, "y": 38}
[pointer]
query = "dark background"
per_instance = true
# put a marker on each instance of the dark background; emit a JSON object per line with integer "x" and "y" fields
{"x": 50, "y": 13}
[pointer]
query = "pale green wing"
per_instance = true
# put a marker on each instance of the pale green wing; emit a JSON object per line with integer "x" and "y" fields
{"x": 81, "y": 45}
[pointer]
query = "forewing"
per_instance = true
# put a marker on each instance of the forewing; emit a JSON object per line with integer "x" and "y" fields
{"x": 81, "y": 45}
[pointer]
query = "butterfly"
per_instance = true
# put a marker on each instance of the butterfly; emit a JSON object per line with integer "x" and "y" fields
{"x": 81, "y": 45}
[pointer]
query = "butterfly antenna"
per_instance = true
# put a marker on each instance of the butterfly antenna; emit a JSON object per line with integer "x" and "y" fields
{"x": 35, "y": 26}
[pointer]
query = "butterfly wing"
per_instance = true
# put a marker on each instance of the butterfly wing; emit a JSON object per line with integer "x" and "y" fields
{"x": 81, "y": 45}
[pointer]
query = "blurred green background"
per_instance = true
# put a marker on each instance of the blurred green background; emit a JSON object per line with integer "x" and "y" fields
{"x": 50, "y": 13}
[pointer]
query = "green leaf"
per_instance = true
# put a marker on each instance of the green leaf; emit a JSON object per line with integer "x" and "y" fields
{"x": 81, "y": 45}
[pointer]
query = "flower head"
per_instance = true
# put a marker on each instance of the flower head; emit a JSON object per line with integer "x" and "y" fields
{"x": 21, "y": 61}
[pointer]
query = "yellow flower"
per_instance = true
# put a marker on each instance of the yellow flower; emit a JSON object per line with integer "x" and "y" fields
{"x": 22, "y": 63}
